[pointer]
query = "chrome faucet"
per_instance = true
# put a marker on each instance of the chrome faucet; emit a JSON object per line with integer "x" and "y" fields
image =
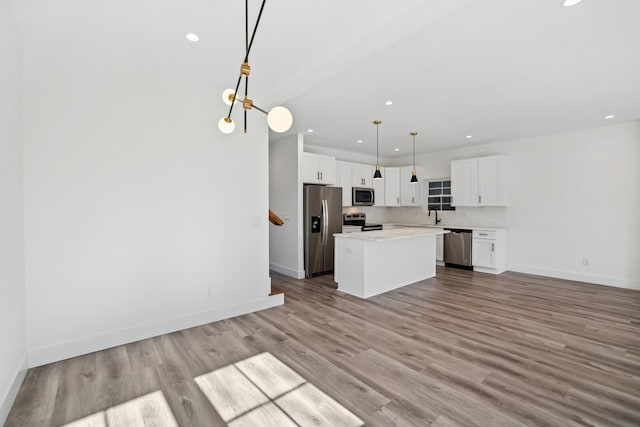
{"x": 437, "y": 220}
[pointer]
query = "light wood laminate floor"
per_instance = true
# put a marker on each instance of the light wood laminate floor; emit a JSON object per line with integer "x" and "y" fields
{"x": 462, "y": 348}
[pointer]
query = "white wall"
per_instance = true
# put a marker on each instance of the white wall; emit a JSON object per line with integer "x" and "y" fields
{"x": 347, "y": 156}
{"x": 572, "y": 195}
{"x": 135, "y": 204}
{"x": 12, "y": 287}
{"x": 285, "y": 199}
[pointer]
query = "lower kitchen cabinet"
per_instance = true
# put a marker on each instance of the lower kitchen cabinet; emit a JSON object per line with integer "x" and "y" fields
{"x": 440, "y": 250}
{"x": 489, "y": 251}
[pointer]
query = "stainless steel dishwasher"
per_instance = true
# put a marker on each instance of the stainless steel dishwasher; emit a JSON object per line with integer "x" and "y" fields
{"x": 457, "y": 248}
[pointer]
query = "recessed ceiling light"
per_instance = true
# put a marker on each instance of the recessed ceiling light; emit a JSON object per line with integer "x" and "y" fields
{"x": 396, "y": 149}
{"x": 310, "y": 130}
{"x": 569, "y": 3}
{"x": 388, "y": 103}
{"x": 610, "y": 116}
{"x": 469, "y": 136}
{"x": 359, "y": 141}
{"x": 192, "y": 37}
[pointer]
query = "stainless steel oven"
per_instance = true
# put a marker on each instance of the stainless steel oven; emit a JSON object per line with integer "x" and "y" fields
{"x": 363, "y": 196}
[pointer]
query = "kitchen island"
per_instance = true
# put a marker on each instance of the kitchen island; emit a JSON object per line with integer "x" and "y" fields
{"x": 370, "y": 263}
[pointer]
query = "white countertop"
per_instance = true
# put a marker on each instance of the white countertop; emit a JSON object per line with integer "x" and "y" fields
{"x": 398, "y": 233}
{"x": 462, "y": 227}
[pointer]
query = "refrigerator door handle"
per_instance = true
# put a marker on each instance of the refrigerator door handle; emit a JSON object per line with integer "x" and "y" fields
{"x": 326, "y": 222}
{"x": 326, "y": 235}
{"x": 324, "y": 228}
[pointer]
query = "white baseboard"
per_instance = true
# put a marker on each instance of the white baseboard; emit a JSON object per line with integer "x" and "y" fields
{"x": 44, "y": 355}
{"x": 296, "y": 274}
{"x": 488, "y": 270}
{"x": 12, "y": 393}
{"x": 618, "y": 282}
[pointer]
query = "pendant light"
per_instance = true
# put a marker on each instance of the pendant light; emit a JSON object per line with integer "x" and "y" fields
{"x": 279, "y": 118}
{"x": 377, "y": 174}
{"x": 414, "y": 178}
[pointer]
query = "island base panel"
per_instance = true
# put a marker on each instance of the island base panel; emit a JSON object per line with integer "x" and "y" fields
{"x": 366, "y": 268}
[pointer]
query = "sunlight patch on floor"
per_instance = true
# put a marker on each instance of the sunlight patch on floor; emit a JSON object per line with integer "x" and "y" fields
{"x": 261, "y": 390}
{"x": 148, "y": 410}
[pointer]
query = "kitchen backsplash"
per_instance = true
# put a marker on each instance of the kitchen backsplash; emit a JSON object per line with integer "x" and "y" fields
{"x": 487, "y": 216}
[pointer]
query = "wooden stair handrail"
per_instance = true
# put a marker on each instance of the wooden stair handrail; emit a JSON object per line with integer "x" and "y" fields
{"x": 275, "y": 219}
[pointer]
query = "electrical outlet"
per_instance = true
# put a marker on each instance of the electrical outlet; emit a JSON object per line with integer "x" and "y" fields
{"x": 585, "y": 262}
{"x": 209, "y": 292}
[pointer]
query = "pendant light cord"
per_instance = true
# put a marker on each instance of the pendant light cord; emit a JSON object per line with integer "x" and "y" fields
{"x": 414, "y": 153}
{"x": 377, "y": 159}
{"x": 248, "y": 49}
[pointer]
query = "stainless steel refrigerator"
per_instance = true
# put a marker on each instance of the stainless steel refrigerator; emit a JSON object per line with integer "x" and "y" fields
{"x": 322, "y": 219}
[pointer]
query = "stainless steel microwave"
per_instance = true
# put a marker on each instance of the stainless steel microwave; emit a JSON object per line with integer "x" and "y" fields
{"x": 363, "y": 196}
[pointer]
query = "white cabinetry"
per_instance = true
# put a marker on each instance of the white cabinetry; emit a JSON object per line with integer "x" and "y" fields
{"x": 488, "y": 252}
{"x": 318, "y": 169}
{"x": 362, "y": 175}
{"x": 464, "y": 182}
{"x": 410, "y": 192}
{"x": 343, "y": 179}
{"x": 349, "y": 175}
{"x": 440, "y": 249}
{"x": 391, "y": 186}
{"x": 479, "y": 182}
{"x": 491, "y": 181}
{"x": 394, "y": 189}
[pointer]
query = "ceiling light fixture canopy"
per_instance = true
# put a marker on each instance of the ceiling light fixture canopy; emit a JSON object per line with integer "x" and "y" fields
{"x": 377, "y": 174}
{"x": 279, "y": 118}
{"x": 414, "y": 178}
{"x": 192, "y": 37}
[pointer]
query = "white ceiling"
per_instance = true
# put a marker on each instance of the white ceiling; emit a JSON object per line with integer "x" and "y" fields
{"x": 495, "y": 69}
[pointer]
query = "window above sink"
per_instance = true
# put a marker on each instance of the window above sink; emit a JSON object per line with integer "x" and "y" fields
{"x": 439, "y": 195}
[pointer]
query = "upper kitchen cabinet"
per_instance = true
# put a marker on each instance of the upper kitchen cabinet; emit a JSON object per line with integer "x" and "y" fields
{"x": 343, "y": 179}
{"x": 411, "y": 193}
{"x": 362, "y": 175}
{"x": 318, "y": 169}
{"x": 492, "y": 181}
{"x": 391, "y": 180}
{"x": 464, "y": 182}
{"x": 479, "y": 182}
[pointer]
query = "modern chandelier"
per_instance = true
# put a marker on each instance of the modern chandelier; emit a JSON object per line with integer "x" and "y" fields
{"x": 414, "y": 178}
{"x": 279, "y": 118}
{"x": 377, "y": 174}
